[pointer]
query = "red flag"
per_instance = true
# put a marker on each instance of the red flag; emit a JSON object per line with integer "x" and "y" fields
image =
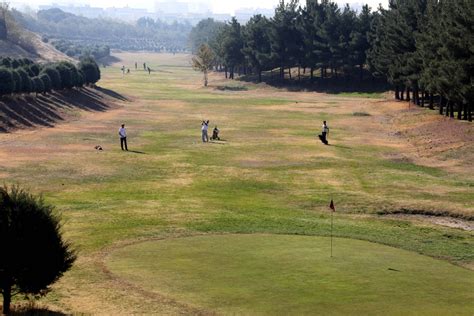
{"x": 331, "y": 206}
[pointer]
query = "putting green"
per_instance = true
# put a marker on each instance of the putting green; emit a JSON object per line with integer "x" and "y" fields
{"x": 280, "y": 274}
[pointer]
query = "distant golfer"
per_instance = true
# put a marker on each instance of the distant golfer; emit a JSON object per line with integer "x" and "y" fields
{"x": 325, "y": 132}
{"x": 144, "y": 66}
{"x": 136, "y": 65}
{"x": 149, "y": 70}
{"x": 204, "y": 128}
{"x": 123, "y": 137}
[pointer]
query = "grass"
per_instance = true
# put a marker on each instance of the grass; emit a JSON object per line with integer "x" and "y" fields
{"x": 270, "y": 176}
{"x": 268, "y": 275}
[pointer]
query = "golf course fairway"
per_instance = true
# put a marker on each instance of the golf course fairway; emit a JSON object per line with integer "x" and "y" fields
{"x": 281, "y": 274}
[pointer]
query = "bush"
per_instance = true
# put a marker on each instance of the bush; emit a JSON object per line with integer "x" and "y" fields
{"x": 90, "y": 69}
{"x": 7, "y": 85}
{"x": 38, "y": 85}
{"x": 34, "y": 254}
{"x": 26, "y": 85}
{"x": 6, "y": 62}
{"x": 66, "y": 76}
{"x": 54, "y": 76}
{"x": 46, "y": 82}
{"x": 34, "y": 69}
{"x": 17, "y": 81}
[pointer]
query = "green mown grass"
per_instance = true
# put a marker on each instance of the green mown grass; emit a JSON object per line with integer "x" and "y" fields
{"x": 268, "y": 274}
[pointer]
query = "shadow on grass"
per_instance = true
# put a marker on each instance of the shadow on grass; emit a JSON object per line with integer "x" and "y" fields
{"x": 330, "y": 85}
{"x": 340, "y": 146}
{"x": 32, "y": 310}
{"x": 112, "y": 94}
{"x": 137, "y": 152}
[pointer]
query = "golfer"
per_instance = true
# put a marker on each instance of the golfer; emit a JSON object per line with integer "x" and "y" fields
{"x": 123, "y": 137}
{"x": 324, "y": 134}
{"x": 204, "y": 128}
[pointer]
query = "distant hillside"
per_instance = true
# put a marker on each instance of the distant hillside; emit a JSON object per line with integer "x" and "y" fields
{"x": 44, "y": 52}
{"x": 146, "y": 34}
{"x": 22, "y": 43}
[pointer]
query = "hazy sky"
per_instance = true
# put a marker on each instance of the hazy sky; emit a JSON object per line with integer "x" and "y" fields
{"x": 218, "y": 6}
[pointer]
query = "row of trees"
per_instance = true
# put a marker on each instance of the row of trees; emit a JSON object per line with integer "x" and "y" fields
{"x": 20, "y": 76}
{"x": 76, "y": 50}
{"x": 320, "y": 36}
{"x": 423, "y": 47}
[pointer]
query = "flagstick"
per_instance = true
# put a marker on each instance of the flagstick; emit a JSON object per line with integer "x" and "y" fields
{"x": 331, "y": 230}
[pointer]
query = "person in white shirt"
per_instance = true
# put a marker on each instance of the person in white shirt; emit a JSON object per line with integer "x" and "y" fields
{"x": 204, "y": 127}
{"x": 324, "y": 134}
{"x": 123, "y": 137}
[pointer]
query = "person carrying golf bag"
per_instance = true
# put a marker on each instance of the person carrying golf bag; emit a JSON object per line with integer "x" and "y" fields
{"x": 324, "y": 134}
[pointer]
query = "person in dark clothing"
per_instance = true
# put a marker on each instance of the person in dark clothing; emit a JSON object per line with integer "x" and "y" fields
{"x": 215, "y": 134}
{"x": 149, "y": 70}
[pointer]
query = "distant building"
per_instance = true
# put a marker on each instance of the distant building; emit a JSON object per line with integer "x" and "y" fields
{"x": 128, "y": 14}
{"x": 172, "y": 7}
{"x": 245, "y": 14}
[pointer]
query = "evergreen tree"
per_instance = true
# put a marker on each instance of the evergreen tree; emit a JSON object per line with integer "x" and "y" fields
{"x": 7, "y": 85}
{"x": 54, "y": 76}
{"x": 285, "y": 39}
{"x": 34, "y": 255}
{"x": 233, "y": 44}
{"x": 257, "y": 48}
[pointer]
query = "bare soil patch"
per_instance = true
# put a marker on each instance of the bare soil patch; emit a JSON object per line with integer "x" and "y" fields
{"x": 437, "y": 220}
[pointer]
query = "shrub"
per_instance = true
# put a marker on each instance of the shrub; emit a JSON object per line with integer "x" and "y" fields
{"x": 66, "y": 76}
{"x": 6, "y": 62}
{"x": 38, "y": 85}
{"x": 17, "y": 81}
{"x": 7, "y": 84}
{"x": 34, "y": 69}
{"x": 90, "y": 69}
{"x": 34, "y": 254}
{"x": 46, "y": 82}
{"x": 26, "y": 85}
{"x": 54, "y": 76}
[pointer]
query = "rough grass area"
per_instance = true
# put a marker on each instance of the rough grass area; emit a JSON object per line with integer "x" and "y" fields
{"x": 271, "y": 175}
{"x": 277, "y": 274}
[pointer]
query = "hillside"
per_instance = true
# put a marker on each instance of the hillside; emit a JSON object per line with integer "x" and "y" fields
{"x": 44, "y": 51}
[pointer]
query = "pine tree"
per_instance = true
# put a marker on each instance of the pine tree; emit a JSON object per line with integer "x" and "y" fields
{"x": 257, "y": 47}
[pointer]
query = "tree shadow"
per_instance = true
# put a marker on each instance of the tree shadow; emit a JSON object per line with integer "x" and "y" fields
{"x": 112, "y": 94}
{"x": 34, "y": 311}
{"x": 47, "y": 110}
{"x": 331, "y": 85}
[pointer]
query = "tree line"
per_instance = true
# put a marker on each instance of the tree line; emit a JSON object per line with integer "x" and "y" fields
{"x": 145, "y": 34}
{"x": 23, "y": 76}
{"x": 423, "y": 48}
{"x": 79, "y": 51}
